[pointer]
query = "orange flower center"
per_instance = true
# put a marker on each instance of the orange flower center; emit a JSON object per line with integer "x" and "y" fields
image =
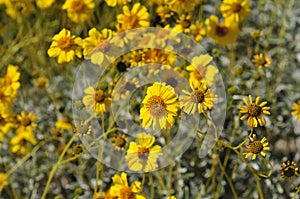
{"x": 120, "y": 141}
{"x": 132, "y": 21}
{"x": 77, "y": 6}
{"x": 99, "y": 96}
{"x": 65, "y": 43}
{"x": 185, "y": 23}
{"x": 104, "y": 46}
{"x": 143, "y": 153}
{"x": 254, "y": 110}
{"x": 126, "y": 193}
{"x": 156, "y": 106}
{"x": 221, "y": 30}
{"x": 256, "y": 147}
{"x": 26, "y": 121}
{"x": 236, "y": 7}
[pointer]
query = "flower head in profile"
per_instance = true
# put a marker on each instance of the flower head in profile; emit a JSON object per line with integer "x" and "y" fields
{"x": 122, "y": 190}
{"x": 222, "y": 33}
{"x": 65, "y": 46}
{"x": 261, "y": 60}
{"x": 201, "y": 70}
{"x": 97, "y": 46}
{"x": 137, "y": 17}
{"x": 256, "y": 147}
{"x": 289, "y": 169}
{"x": 79, "y": 11}
{"x": 3, "y": 180}
{"x": 235, "y": 10}
{"x": 200, "y": 98}
{"x": 160, "y": 106}
{"x": 296, "y": 110}
{"x": 142, "y": 156}
{"x": 96, "y": 100}
{"x": 254, "y": 111}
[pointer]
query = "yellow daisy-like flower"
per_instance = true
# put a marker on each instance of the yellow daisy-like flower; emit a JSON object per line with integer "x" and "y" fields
{"x": 43, "y": 4}
{"x": 201, "y": 98}
{"x": 256, "y": 147}
{"x": 261, "y": 60}
{"x": 253, "y": 111}
{"x": 134, "y": 18}
{"x": 221, "y": 33}
{"x": 113, "y": 3}
{"x": 296, "y": 110}
{"x": 26, "y": 122}
{"x": 289, "y": 169}
{"x": 21, "y": 143}
{"x": 79, "y": 11}
{"x": 12, "y": 80}
{"x": 5, "y": 96}
{"x": 97, "y": 46}
{"x": 136, "y": 58}
{"x": 6, "y": 120}
{"x": 122, "y": 190}
{"x": 18, "y": 8}
{"x": 143, "y": 156}
{"x": 119, "y": 141}
{"x": 96, "y": 100}
{"x": 3, "y": 180}
{"x": 198, "y": 31}
{"x": 183, "y": 24}
{"x": 235, "y": 10}
{"x": 65, "y": 46}
{"x": 64, "y": 124}
{"x": 160, "y": 106}
{"x": 201, "y": 70}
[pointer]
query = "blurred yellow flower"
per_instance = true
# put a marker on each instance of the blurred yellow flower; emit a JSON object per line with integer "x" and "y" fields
{"x": 256, "y": 34}
{"x": 201, "y": 98}
{"x": 198, "y": 31}
{"x": 253, "y": 111}
{"x": 41, "y": 82}
{"x": 261, "y": 60}
{"x": 12, "y": 80}
{"x": 119, "y": 141}
{"x": 134, "y": 18}
{"x": 64, "y": 124}
{"x": 96, "y": 100}
{"x": 21, "y": 143}
{"x": 256, "y": 147}
{"x": 235, "y": 10}
{"x": 6, "y": 120}
{"x": 160, "y": 106}
{"x": 122, "y": 190}
{"x": 289, "y": 169}
{"x": 18, "y": 8}
{"x": 200, "y": 70}
{"x": 65, "y": 46}
{"x": 171, "y": 197}
{"x": 181, "y": 6}
{"x": 113, "y": 3}
{"x": 296, "y": 110}
{"x": 26, "y": 122}
{"x": 143, "y": 156}
{"x": 3, "y": 180}
{"x": 43, "y": 4}
{"x": 221, "y": 33}
{"x": 79, "y": 11}
{"x": 183, "y": 24}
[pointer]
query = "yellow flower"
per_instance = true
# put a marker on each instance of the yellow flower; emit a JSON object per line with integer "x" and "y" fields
{"x": 3, "y": 180}
{"x": 261, "y": 61}
{"x": 289, "y": 169}
{"x": 43, "y": 4}
{"x": 79, "y": 11}
{"x": 256, "y": 34}
{"x": 296, "y": 110}
{"x": 18, "y": 8}
{"x": 160, "y": 106}
{"x": 200, "y": 70}
{"x": 256, "y": 147}
{"x": 12, "y": 80}
{"x": 64, "y": 124}
{"x": 96, "y": 100}
{"x": 180, "y": 6}
{"x": 5, "y": 96}
{"x": 221, "y": 33}
{"x": 171, "y": 197}
{"x": 198, "y": 31}
{"x": 65, "y": 46}
{"x": 113, "y": 3}
{"x": 122, "y": 190}
{"x": 235, "y": 10}
{"x": 201, "y": 98}
{"x": 26, "y": 122}
{"x": 164, "y": 11}
{"x": 97, "y": 46}
{"x": 183, "y": 24}
{"x": 254, "y": 111}
{"x": 41, "y": 83}
{"x": 143, "y": 156}
{"x": 21, "y": 142}
{"x": 136, "y": 58}
{"x": 6, "y": 120}
{"x": 119, "y": 141}
{"x": 134, "y": 18}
